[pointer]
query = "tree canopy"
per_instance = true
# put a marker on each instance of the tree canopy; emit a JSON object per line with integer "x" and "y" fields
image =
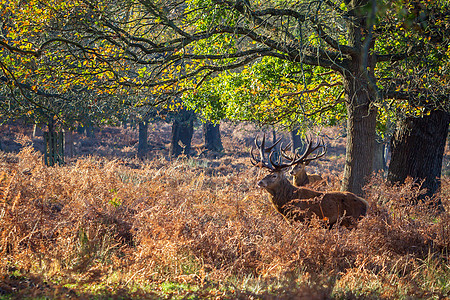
{"x": 319, "y": 54}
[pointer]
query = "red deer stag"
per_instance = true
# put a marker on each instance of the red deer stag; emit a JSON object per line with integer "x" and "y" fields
{"x": 298, "y": 171}
{"x": 300, "y": 204}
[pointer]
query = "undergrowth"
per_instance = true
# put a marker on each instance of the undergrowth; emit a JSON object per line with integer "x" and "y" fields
{"x": 182, "y": 229}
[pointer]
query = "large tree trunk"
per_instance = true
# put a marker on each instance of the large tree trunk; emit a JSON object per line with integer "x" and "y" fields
{"x": 360, "y": 92}
{"x": 211, "y": 133}
{"x": 361, "y": 122}
{"x": 142, "y": 141}
{"x": 182, "y": 131}
{"x": 418, "y": 148}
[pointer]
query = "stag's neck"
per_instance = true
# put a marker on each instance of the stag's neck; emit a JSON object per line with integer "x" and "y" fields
{"x": 282, "y": 194}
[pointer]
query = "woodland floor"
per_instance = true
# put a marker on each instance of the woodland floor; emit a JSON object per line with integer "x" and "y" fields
{"x": 110, "y": 226}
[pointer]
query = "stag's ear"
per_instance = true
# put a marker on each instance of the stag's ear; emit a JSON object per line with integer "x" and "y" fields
{"x": 307, "y": 162}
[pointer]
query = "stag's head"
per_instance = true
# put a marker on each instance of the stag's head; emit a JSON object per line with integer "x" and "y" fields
{"x": 276, "y": 168}
{"x": 272, "y": 180}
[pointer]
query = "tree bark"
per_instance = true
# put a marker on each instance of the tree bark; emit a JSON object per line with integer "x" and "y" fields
{"x": 359, "y": 84}
{"x": 182, "y": 131}
{"x": 211, "y": 134}
{"x": 378, "y": 159}
{"x": 418, "y": 148}
{"x": 142, "y": 141}
{"x": 361, "y": 122}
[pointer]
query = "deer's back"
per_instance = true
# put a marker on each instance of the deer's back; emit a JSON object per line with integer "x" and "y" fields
{"x": 314, "y": 178}
{"x": 328, "y": 206}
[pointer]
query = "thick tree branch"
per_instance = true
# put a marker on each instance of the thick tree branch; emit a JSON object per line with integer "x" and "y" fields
{"x": 14, "y": 49}
{"x": 280, "y": 12}
{"x": 423, "y": 98}
{"x": 333, "y": 43}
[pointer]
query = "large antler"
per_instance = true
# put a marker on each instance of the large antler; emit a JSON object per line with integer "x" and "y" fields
{"x": 261, "y": 162}
{"x": 297, "y": 159}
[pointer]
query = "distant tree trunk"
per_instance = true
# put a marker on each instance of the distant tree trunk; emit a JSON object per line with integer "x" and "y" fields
{"x": 182, "y": 131}
{"x": 90, "y": 131}
{"x": 211, "y": 134}
{"x": 51, "y": 126}
{"x": 418, "y": 149}
{"x": 37, "y": 130}
{"x": 81, "y": 129}
{"x": 296, "y": 140}
{"x": 378, "y": 159}
{"x": 276, "y": 153}
{"x": 68, "y": 143}
{"x": 143, "y": 136}
{"x": 54, "y": 145}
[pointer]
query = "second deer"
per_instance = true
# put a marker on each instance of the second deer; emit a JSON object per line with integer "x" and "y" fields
{"x": 298, "y": 170}
{"x": 301, "y": 203}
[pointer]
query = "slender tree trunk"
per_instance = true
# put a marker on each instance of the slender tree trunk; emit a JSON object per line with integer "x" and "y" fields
{"x": 142, "y": 141}
{"x": 418, "y": 148}
{"x": 81, "y": 129}
{"x": 276, "y": 154}
{"x": 68, "y": 143}
{"x": 361, "y": 121}
{"x": 90, "y": 131}
{"x": 182, "y": 131}
{"x": 211, "y": 133}
{"x": 51, "y": 126}
{"x": 54, "y": 145}
{"x": 296, "y": 141}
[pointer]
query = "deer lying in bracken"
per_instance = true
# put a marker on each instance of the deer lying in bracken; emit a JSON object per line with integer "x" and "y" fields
{"x": 298, "y": 171}
{"x": 301, "y": 203}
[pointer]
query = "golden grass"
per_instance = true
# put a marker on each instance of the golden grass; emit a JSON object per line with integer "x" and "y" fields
{"x": 98, "y": 226}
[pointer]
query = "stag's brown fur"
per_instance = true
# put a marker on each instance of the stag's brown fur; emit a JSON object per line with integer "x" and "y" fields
{"x": 300, "y": 204}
